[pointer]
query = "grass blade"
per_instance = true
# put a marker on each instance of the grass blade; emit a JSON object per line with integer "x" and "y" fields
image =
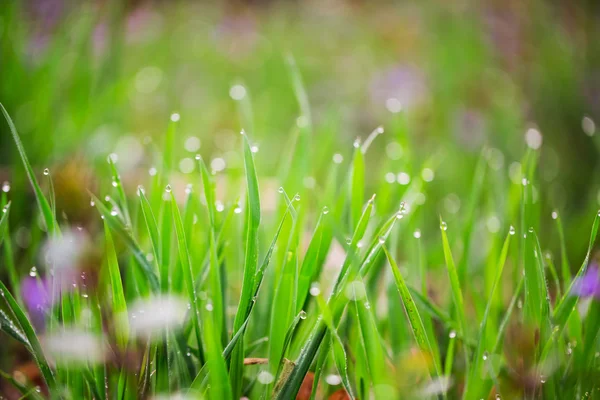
{"x": 250, "y": 265}
{"x": 44, "y": 206}
{"x": 188, "y": 274}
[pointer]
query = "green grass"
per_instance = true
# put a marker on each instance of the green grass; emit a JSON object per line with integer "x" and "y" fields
{"x": 404, "y": 263}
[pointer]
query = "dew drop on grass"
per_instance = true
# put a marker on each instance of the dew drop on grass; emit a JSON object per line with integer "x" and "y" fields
{"x": 381, "y": 240}
{"x": 452, "y": 334}
{"x": 237, "y": 209}
{"x": 325, "y": 210}
{"x": 280, "y": 190}
{"x": 209, "y": 307}
{"x": 599, "y": 213}
{"x": 417, "y": 234}
{"x": 188, "y": 188}
{"x": 367, "y": 305}
{"x": 175, "y": 117}
{"x": 511, "y": 230}
{"x": 265, "y": 377}
{"x": 6, "y": 187}
{"x": 168, "y": 189}
{"x": 152, "y": 171}
{"x": 315, "y": 289}
{"x": 198, "y": 157}
{"x": 348, "y": 241}
{"x": 530, "y": 229}
{"x": 297, "y": 197}
{"x": 338, "y": 158}
{"x": 114, "y": 212}
{"x": 33, "y": 272}
{"x": 356, "y": 143}
{"x": 399, "y": 215}
{"x": 46, "y": 171}
{"x": 333, "y": 379}
{"x": 485, "y": 356}
{"x": 302, "y": 314}
{"x": 443, "y": 226}
{"x": 360, "y": 244}
{"x": 554, "y": 214}
{"x": 115, "y": 183}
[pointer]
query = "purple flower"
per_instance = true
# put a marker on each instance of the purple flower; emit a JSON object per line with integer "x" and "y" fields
{"x": 36, "y": 297}
{"x": 589, "y": 284}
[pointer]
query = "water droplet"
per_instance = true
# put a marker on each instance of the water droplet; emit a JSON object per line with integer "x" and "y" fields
{"x": 381, "y": 240}
{"x": 348, "y": 241}
{"x": 325, "y": 210}
{"x": 338, "y": 158}
{"x": 6, "y": 187}
{"x": 33, "y": 272}
{"x": 209, "y": 307}
{"x": 265, "y": 377}
{"x": 333, "y": 379}
{"x": 417, "y": 234}
{"x": 399, "y": 215}
{"x": 485, "y": 356}
{"x": 356, "y": 143}
{"x": 452, "y": 334}
{"x": 114, "y": 212}
{"x": 188, "y": 188}
{"x": 524, "y": 182}
{"x": 315, "y": 289}
{"x": 168, "y": 189}
{"x": 237, "y": 209}
{"x": 297, "y": 197}
{"x": 198, "y": 157}
{"x": 254, "y": 149}
{"x": 302, "y": 314}
{"x": 175, "y": 117}
{"x": 280, "y": 190}
{"x": 242, "y": 132}
{"x": 554, "y": 214}
{"x": 219, "y": 206}
{"x": 542, "y": 379}
{"x": 46, "y": 171}
{"x": 511, "y": 230}
{"x": 367, "y": 305}
{"x": 115, "y": 183}
{"x": 443, "y": 226}
{"x": 530, "y": 229}
{"x": 152, "y": 171}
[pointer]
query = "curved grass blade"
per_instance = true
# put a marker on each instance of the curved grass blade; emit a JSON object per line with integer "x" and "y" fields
{"x": 216, "y": 290}
{"x": 117, "y": 226}
{"x": 45, "y": 209}
{"x": 457, "y": 297}
{"x": 357, "y": 187}
{"x": 188, "y": 274}
{"x": 567, "y": 303}
{"x": 220, "y": 386}
{"x": 414, "y": 317}
{"x": 10, "y": 328}
{"x": 250, "y": 265}
{"x": 475, "y": 386}
{"x": 119, "y": 305}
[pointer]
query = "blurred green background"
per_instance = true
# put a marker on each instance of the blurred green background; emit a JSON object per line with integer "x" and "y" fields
{"x": 448, "y": 80}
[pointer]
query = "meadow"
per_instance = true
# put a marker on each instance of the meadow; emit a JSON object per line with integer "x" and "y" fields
{"x": 315, "y": 201}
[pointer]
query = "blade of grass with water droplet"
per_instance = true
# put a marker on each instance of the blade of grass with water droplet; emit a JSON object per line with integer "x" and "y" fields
{"x": 188, "y": 274}
{"x": 412, "y": 312}
{"x": 117, "y": 226}
{"x": 216, "y": 290}
{"x": 475, "y": 385}
{"x": 25, "y": 390}
{"x": 121, "y": 197}
{"x": 567, "y": 303}
{"x": 310, "y": 348}
{"x": 376, "y": 358}
{"x": 119, "y": 305}
{"x": 43, "y": 204}
{"x": 283, "y": 309}
{"x": 337, "y": 347}
{"x": 250, "y": 265}
{"x": 310, "y": 269}
{"x": 457, "y": 297}
{"x": 564, "y": 260}
{"x": 220, "y": 386}
{"x": 4, "y": 223}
